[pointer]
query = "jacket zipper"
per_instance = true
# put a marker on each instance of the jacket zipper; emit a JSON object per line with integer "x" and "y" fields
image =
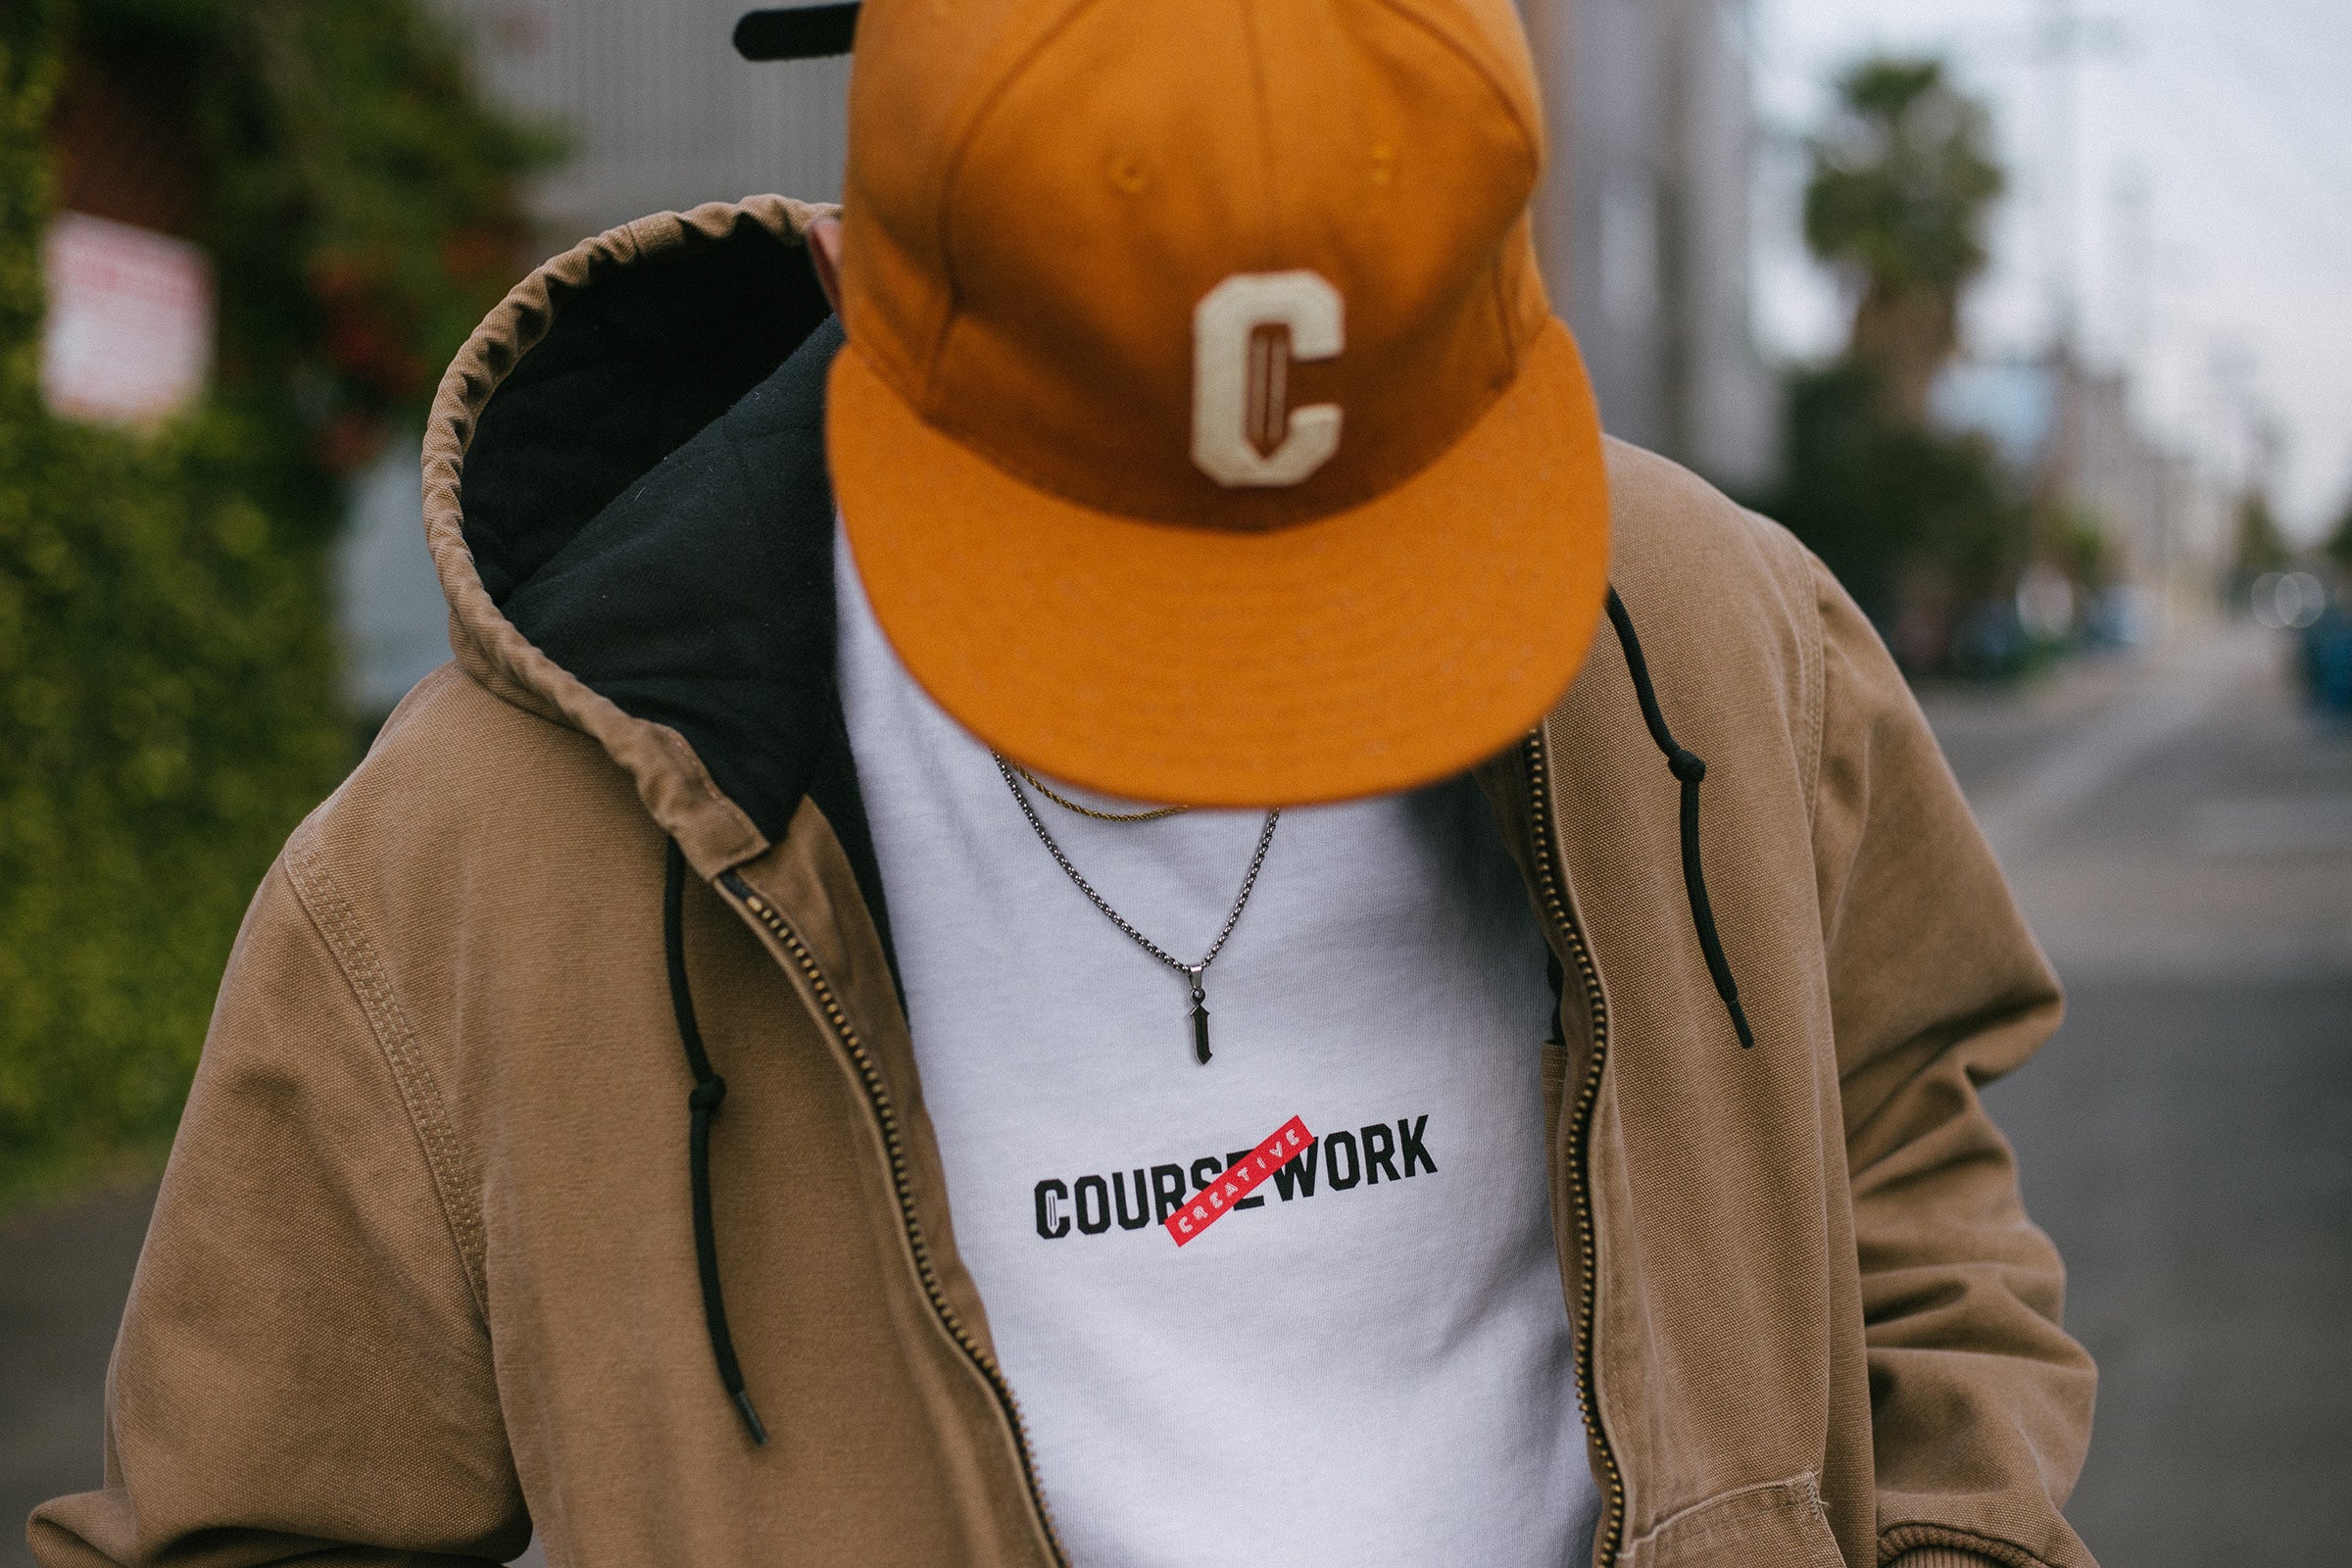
{"x": 877, "y": 1098}
{"x": 1548, "y": 889}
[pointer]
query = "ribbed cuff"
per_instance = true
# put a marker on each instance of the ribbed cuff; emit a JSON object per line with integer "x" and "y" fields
{"x": 1940, "y": 1557}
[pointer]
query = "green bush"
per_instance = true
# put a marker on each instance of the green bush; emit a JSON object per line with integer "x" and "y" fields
{"x": 361, "y": 210}
{"x": 169, "y": 694}
{"x": 1877, "y": 496}
{"x": 168, "y": 710}
{"x": 1925, "y": 529}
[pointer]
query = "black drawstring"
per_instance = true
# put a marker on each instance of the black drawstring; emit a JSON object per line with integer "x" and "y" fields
{"x": 709, "y": 1089}
{"x": 1686, "y": 766}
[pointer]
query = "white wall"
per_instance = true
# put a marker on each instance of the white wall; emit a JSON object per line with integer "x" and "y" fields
{"x": 388, "y": 601}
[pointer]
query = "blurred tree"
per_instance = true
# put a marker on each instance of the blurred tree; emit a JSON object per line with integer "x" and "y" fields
{"x": 362, "y": 203}
{"x": 1902, "y": 183}
{"x": 168, "y": 665}
{"x": 2259, "y": 547}
{"x": 2079, "y": 544}
{"x": 1924, "y": 528}
{"x": 2339, "y": 547}
{"x": 1893, "y": 509}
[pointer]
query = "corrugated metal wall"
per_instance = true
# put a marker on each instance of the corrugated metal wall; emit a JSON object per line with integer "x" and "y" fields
{"x": 662, "y": 112}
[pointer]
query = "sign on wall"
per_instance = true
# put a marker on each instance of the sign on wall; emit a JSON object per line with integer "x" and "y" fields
{"x": 128, "y": 338}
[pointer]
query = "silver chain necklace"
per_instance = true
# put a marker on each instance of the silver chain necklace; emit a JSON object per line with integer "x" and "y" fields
{"x": 1193, "y": 973}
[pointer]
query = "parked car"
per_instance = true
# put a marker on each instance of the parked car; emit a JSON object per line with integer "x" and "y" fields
{"x": 2327, "y": 658}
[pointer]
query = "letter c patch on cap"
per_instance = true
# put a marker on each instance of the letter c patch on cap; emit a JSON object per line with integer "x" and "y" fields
{"x": 1246, "y": 332}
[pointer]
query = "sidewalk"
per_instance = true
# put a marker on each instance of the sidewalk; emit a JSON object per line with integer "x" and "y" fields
{"x": 62, "y": 1278}
{"x": 2179, "y": 832}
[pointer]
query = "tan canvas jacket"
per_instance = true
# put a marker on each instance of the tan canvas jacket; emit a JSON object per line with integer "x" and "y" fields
{"x": 423, "y": 1276}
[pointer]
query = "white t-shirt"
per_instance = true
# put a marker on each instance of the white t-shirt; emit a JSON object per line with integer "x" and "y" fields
{"x": 1368, "y": 1363}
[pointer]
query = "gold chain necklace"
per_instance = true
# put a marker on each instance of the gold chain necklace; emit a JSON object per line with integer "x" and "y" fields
{"x": 1063, "y": 800}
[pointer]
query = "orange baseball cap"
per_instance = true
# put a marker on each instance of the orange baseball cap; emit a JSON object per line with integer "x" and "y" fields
{"x": 1204, "y": 432}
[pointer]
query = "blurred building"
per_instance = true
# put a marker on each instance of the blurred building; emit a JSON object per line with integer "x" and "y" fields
{"x": 1644, "y": 220}
{"x": 1654, "y": 272}
{"x": 2168, "y": 526}
{"x": 388, "y": 599}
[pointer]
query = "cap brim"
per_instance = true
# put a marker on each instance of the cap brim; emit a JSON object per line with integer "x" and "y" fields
{"x": 1372, "y": 650}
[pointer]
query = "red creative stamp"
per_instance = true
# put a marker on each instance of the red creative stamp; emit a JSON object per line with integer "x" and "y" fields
{"x": 1240, "y": 1180}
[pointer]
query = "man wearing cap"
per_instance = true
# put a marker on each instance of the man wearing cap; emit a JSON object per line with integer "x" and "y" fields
{"x": 1072, "y": 914}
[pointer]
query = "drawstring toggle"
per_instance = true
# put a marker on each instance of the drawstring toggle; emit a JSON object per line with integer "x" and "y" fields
{"x": 709, "y": 1089}
{"x": 1686, "y": 766}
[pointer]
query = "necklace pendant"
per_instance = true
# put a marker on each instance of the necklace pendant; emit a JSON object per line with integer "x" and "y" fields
{"x": 1200, "y": 1017}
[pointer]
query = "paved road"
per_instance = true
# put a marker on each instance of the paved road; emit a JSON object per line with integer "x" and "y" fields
{"x": 62, "y": 1278}
{"x": 2181, "y": 838}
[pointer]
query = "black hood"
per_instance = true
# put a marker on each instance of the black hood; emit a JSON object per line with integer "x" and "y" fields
{"x": 645, "y": 501}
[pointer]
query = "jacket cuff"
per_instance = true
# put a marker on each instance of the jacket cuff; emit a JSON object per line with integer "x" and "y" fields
{"x": 1942, "y": 1558}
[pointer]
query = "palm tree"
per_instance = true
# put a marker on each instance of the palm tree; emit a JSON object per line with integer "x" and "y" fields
{"x": 1902, "y": 183}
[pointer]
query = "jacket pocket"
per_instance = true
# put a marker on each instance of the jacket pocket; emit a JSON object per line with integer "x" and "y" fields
{"x": 1777, "y": 1524}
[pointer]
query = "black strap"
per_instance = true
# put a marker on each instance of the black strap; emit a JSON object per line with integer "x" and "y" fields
{"x": 796, "y": 32}
{"x": 1686, "y": 766}
{"x": 710, "y": 1089}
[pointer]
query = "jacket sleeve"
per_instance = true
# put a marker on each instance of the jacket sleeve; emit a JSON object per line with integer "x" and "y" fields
{"x": 1981, "y": 1403}
{"x": 303, "y": 1368}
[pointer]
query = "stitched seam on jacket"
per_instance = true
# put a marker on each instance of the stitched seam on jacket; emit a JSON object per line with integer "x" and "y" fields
{"x": 445, "y": 1156}
{"x": 1793, "y": 563}
{"x": 1804, "y": 1490}
{"x": 1812, "y": 639}
{"x": 1912, "y": 1537}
